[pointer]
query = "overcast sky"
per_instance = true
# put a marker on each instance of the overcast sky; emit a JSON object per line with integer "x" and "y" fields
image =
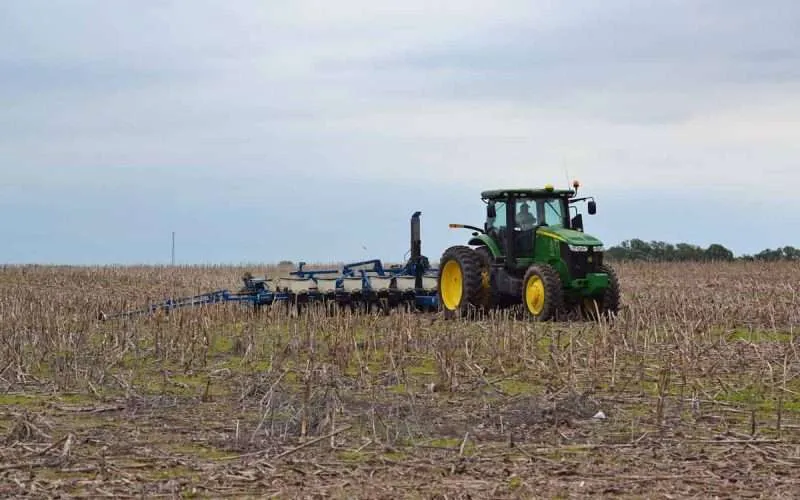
{"x": 123, "y": 120}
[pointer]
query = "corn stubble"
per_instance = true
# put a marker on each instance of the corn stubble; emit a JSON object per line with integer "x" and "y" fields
{"x": 691, "y": 391}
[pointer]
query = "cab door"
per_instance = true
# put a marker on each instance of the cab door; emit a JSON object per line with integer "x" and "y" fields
{"x": 527, "y": 215}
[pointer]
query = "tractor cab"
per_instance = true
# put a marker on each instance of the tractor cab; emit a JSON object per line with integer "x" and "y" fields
{"x": 514, "y": 217}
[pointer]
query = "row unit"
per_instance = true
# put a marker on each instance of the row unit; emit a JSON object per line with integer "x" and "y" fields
{"x": 352, "y": 284}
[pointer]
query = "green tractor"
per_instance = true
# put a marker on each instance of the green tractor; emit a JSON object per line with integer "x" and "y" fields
{"x": 531, "y": 251}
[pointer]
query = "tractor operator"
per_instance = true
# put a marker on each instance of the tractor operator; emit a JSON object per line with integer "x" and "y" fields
{"x": 525, "y": 218}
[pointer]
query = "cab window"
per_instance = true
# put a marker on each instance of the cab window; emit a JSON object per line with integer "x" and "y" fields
{"x": 552, "y": 214}
{"x": 500, "y": 221}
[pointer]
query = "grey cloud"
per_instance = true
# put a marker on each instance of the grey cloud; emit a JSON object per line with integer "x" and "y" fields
{"x": 241, "y": 86}
{"x": 634, "y": 32}
{"x": 641, "y": 62}
{"x": 29, "y": 79}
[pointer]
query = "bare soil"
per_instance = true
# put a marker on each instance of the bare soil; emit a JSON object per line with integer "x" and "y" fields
{"x": 691, "y": 392}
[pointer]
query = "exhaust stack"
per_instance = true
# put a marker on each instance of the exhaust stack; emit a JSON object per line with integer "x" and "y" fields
{"x": 416, "y": 250}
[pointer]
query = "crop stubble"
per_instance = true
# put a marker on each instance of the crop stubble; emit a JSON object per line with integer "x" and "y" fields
{"x": 697, "y": 378}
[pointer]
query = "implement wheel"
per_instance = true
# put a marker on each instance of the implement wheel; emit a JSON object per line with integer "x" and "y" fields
{"x": 608, "y": 303}
{"x": 542, "y": 295}
{"x": 460, "y": 281}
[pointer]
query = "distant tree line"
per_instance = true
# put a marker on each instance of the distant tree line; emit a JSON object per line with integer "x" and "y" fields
{"x": 660, "y": 251}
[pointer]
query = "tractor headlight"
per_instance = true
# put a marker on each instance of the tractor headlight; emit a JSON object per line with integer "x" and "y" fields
{"x": 579, "y": 248}
{"x": 599, "y": 248}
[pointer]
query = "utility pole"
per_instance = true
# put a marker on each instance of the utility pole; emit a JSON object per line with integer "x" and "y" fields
{"x": 173, "y": 248}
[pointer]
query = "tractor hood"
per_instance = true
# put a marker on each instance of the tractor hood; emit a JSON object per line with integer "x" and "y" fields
{"x": 569, "y": 236}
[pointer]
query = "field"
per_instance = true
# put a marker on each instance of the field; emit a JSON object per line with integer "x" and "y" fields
{"x": 694, "y": 391}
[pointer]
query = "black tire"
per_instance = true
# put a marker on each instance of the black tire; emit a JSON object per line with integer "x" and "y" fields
{"x": 459, "y": 263}
{"x": 608, "y": 303}
{"x": 552, "y": 301}
{"x": 485, "y": 300}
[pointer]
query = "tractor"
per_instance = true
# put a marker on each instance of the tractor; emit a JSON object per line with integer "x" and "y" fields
{"x": 532, "y": 251}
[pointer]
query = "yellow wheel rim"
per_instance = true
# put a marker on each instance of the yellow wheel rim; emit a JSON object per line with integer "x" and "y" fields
{"x": 451, "y": 285}
{"x": 534, "y": 295}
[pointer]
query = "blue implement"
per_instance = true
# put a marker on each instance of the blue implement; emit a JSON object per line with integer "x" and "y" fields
{"x": 363, "y": 283}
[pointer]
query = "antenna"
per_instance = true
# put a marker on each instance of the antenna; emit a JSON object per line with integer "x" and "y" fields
{"x": 173, "y": 248}
{"x": 566, "y": 171}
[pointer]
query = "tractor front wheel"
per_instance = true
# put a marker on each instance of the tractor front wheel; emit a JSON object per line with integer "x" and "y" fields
{"x": 542, "y": 294}
{"x": 460, "y": 281}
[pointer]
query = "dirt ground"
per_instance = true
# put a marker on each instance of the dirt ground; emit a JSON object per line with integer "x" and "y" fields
{"x": 692, "y": 392}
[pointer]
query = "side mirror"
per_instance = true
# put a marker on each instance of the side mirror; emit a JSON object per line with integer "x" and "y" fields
{"x": 491, "y": 212}
{"x": 592, "y": 207}
{"x": 577, "y": 223}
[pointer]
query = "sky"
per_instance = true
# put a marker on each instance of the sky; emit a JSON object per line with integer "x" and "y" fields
{"x": 260, "y": 131}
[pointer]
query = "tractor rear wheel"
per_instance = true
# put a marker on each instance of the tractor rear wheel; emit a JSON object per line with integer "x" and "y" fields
{"x": 459, "y": 281}
{"x": 485, "y": 255}
{"x": 608, "y": 303}
{"x": 542, "y": 293}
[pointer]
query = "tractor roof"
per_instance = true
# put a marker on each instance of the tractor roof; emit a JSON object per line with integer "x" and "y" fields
{"x": 546, "y": 192}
